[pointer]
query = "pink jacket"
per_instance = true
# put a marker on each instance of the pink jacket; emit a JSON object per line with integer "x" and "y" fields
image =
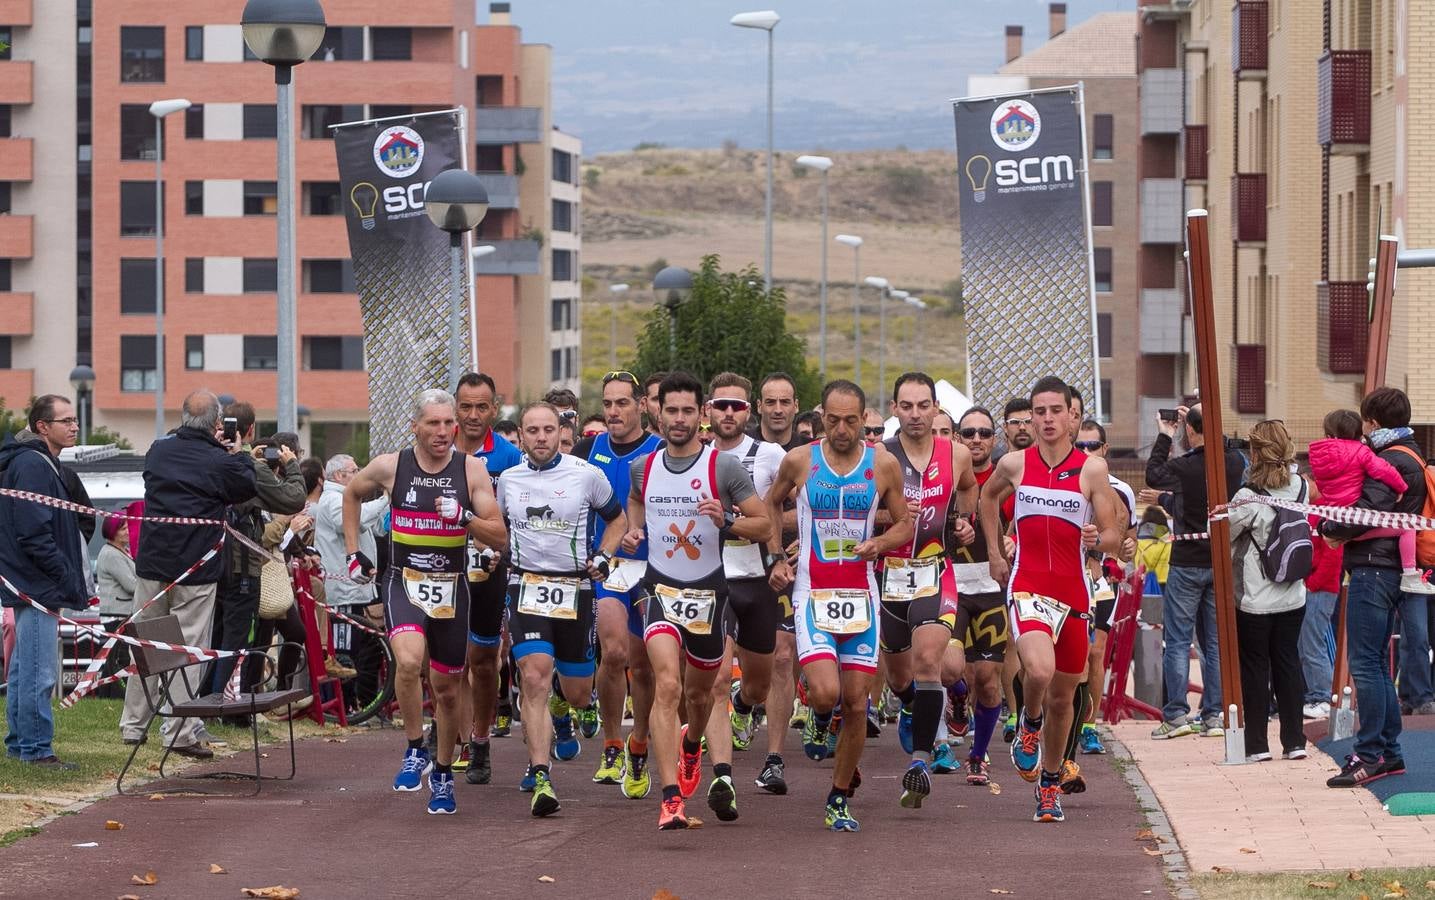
{"x": 1340, "y": 467}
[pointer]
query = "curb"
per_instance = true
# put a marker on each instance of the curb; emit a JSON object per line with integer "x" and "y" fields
{"x": 1178, "y": 869}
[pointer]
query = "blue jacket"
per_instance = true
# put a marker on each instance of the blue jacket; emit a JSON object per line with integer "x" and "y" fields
{"x": 40, "y": 546}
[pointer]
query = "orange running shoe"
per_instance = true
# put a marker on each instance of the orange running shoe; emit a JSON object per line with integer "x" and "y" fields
{"x": 672, "y": 815}
{"x": 690, "y": 767}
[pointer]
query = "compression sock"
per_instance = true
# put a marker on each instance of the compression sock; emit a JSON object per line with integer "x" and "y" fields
{"x": 637, "y": 747}
{"x": 722, "y": 769}
{"x": 907, "y": 694}
{"x": 1079, "y": 705}
{"x": 416, "y": 744}
{"x": 927, "y": 706}
{"x": 983, "y": 726}
{"x": 442, "y": 768}
{"x": 542, "y": 767}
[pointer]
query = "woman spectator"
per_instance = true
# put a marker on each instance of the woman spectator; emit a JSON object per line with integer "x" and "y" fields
{"x": 1268, "y": 613}
{"x": 1153, "y": 549}
{"x": 115, "y": 584}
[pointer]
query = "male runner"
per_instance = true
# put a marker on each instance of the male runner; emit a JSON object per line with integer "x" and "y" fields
{"x": 840, "y": 481}
{"x": 873, "y": 425}
{"x": 550, "y": 503}
{"x": 778, "y": 412}
{"x": 1058, "y": 492}
{"x": 623, "y": 662}
{"x": 755, "y": 608}
{"x": 919, "y": 591}
{"x": 438, "y": 500}
{"x": 943, "y": 426}
{"x": 650, "y": 402}
{"x": 683, "y": 499}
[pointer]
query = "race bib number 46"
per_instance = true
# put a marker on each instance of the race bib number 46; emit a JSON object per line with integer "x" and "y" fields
{"x": 908, "y": 579}
{"x": 552, "y": 598}
{"x": 432, "y": 592}
{"x": 1034, "y": 609}
{"x": 841, "y": 611}
{"x": 687, "y": 608}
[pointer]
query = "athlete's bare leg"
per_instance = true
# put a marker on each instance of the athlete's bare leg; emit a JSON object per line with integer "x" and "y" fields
{"x": 613, "y": 638}
{"x": 446, "y": 689}
{"x": 855, "y": 688}
{"x": 641, "y": 686}
{"x": 719, "y": 727}
{"x": 482, "y": 688}
{"x": 535, "y": 682}
{"x": 1048, "y": 694}
{"x": 667, "y": 661}
{"x": 782, "y": 691}
{"x": 409, "y": 650}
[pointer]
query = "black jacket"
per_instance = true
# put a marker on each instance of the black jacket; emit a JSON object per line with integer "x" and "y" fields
{"x": 1186, "y": 475}
{"x": 189, "y": 473}
{"x": 41, "y": 550}
{"x": 1383, "y": 553}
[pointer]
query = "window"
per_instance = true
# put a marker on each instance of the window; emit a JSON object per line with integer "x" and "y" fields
{"x": 7, "y": 42}
{"x": 341, "y": 44}
{"x": 391, "y": 110}
{"x": 5, "y": 198}
{"x": 137, "y": 213}
{"x": 328, "y": 276}
{"x": 5, "y": 285}
{"x": 555, "y": 365}
{"x": 562, "y": 166}
{"x": 194, "y": 275}
{"x": 137, "y": 287}
{"x": 194, "y": 122}
{"x": 1101, "y": 257}
{"x": 260, "y": 120}
{"x": 4, "y": 351}
{"x": 194, "y": 198}
{"x": 261, "y": 276}
{"x": 194, "y": 351}
{"x": 4, "y": 120}
{"x": 261, "y": 351}
{"x": 392, "y": 43}
{"x": 561, "y": 314}
{"x": 194, "y": 43}
{"x": 488, "y": 158}
{"x": 321, "y": 198}
{"x": 136, "y": 132}
{"x": 261, "y": 198}
{"x": 316, "y": 119}
{"x": 562, "y": 265}
{"x": 570, "y": 362}
{"x": 562, "y": 215}
{"x": 1106, "y": 399}
{"x": 137, "y": 368}
{"x": 334, "y": 354}
{"x": 141, "y": 53}
{"x": 1103, "y": 335}
{"x": 1101, "y": 213}
{"x": 1103, "y": 133}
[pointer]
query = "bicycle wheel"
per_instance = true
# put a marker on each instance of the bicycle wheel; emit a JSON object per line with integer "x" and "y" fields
{"x": 367, "y": 693}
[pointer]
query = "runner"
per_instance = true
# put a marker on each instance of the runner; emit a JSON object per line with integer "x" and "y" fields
{"x": 1058, "y": 492}
{"x": 439, "y": 499}
{"x": 650, "y": 402}
{"x": 943, "y": 426}
{"x": 756, "y": 611}
{"x": 840, "y": 481}
{"x": 777, "y": 417}
{"x": 623, "y": 661}
{"x": 683, "y": 497}
{"x": 919, "y": 593}
{"x": 550, "y": 503}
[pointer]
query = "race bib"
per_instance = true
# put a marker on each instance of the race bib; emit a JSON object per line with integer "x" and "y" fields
{"x": 432, "y": 592}
{"x": 842, "y": 611}
{"x": 548, "y": 596}
{"x": 742, "y": 559}
{"x": 477, "y": 572}
{"x": 908, "y": 579}
{"x": 1034, "y": 609}
{"x": 687, "y": 608}
{"x": 624, "y": 574}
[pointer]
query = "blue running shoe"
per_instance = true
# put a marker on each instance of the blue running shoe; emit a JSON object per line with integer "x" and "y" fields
{"x": 839, "y": 817}
{"x": 566, "y": 745}
{"x": 916, "y": 785}
{"x": 529, "y": 781}
{"x": 1048, "y": 804}
{"x": 1091, "y": 741}
{"x": 411, "y": 775}
{"x": 441, "y": 802}
{"x": 904, "y": 729}
{"x": 1026, "y": 751}
{"x": 944, "y": 760}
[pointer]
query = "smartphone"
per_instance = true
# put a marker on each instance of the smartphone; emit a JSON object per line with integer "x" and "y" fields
{"x": 1167, "y": 415}
{"x": 271, "y": 454}
{"x": 231, "y": 429}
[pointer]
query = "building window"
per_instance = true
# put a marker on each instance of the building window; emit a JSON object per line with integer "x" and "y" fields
{"x": 194, "y": 351}
{"x": 1106, "y": 399}
{"x": 4, "y": 120}
{"x": 194, "y": 275}
{"x": 1103, "y": 335}
{"x": 7, "y": 42}
{"x": 562, "y": 215}
{"x": 328, "y": 276}
{"x": 1101, "y": 213}
{"x": 194, "y": 122}
{"x": 321, "y": 198}
{"x": 137, "y": 213}
{"x": 141, "y": 53}
{"x": 316, "y": 119}
{"x": 137, "y": 287}
{"x": 137, "y": 369}
{"x": 341, "y": 43}
{"x": 5, "y": 198}
{"x": 334, "y": 354}
{"x": 4, "y": 351}
{"x": 561, "y": 314}
{"x": 570, "y": 362}
{"x": 1101, "y": 258}
{"x": 5, "y": 286}
{"x": 488, "y": 158}
{"x": 390, "y": 110}
{"x": 563, "y": 166}
{"x": 562, "y": 265}
{"x": 261, "y": 198}
{"x": 194, "y": 198}
{"x": 1103, "y": 136}
{"x": 261, "y": 276}
{"x": 392, "y": 43}
{"x": 194, "y": 43}
{"x": 261, "y": 351}
{"x": 136, "y": 132}
{"x": 555, "y": 365}
{"x": 260, "y": 120}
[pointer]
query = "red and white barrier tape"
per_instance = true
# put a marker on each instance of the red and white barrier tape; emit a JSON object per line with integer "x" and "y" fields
{"x": 1345, "y": 515}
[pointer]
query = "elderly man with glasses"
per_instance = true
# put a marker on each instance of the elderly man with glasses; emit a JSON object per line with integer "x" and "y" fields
{"x": 329, "y": 533}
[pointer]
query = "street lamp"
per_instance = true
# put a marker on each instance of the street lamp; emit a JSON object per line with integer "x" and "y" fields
{"x": 855, "y": 242}
{"x": 821, "y": 164}
{"x": 765, "y": 20}
{"x": 82, "y": 379}
{"x": 159, "y": 109}
{"x": 885, "y": 287}
{"x": 456, "y": 202}
{"x": 921, "y": 307}
{"x": 672, "y": 286}
{"x": 284, "y": 33}
{"x": 617, "y": 290}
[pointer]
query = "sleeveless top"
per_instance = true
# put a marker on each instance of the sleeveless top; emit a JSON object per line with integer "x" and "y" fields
{"x": 685, "y": 546}
{"x": 619, "y": 474}
{"x": 935, "y": 490}
{"x": 1050, "y": 510}
{"x": 970, "y": 562}
{"x": 421, "y": 540}
{"x": 835, "y": 513}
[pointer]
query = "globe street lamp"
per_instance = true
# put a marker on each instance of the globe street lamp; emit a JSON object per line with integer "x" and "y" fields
{"x": 921, "y": 307}
{"x": 884, "y": 286}
{"x": 82, "y": 379}
{"x": 474, "y": 255}
{"x": 672, "y": 286}
{"x": 159, "y": 109}
{"x": 766, "y": 20}
{"x": 617, "y": 290}
{"x": 821, "y": 164}
{"x": 855, "y": 242}
{"x": 456, "y": 202}
{"x": 284, "y": 33}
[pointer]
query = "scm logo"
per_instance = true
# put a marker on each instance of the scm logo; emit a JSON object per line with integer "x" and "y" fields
{"x": 1029, "y": 170}
{"x": 401, "y": 198}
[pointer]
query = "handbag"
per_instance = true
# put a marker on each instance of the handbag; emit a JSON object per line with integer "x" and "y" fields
{"x": 276, "y": 591}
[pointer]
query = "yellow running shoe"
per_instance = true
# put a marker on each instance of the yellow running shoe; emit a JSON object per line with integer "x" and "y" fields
{"x": 637, "y": 781}
{"x": 610, "y": 770}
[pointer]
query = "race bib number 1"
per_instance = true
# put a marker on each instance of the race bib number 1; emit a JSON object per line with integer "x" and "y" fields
{"x": 552, "y": 598}
{"x": 908, "y": 579}
{"x": 432, "y": 592}
{"x": 842, "y": 611}
{"x": 687, "y": 608}
{"x": 1038, "y": 610}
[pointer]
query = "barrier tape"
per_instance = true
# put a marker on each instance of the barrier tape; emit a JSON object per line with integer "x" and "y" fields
{"x": 1345, "y": 515}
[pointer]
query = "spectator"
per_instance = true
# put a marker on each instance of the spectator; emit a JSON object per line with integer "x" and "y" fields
{"x": 115, "y": 573}
{"x": 594, "y": 425}
{"x": 1268, "y": 613}
{"x": 1317, "y": 648}
{"x": 808, "y": 426}
{"x": 187, "y": 473}
{"x": 41, "y": 554}
{"x": 1189, "y": 605}
{"x": 329, "y": 534}
{"x": 507, "y": 428}
{"x": 1373, "y": 596}
{"x": 1153, "y": 549}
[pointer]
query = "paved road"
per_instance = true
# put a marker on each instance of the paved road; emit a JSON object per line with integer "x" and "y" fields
{"x": 338, "y": 831}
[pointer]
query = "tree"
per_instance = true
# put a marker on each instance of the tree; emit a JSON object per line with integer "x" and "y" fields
{"x": 102, "y": 435}
{"x": 728, "y": 324}
{"x": 11, "y": 422}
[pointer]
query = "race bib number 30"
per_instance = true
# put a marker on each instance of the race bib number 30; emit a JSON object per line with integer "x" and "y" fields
{"x": 1034, "y": 609}
{"x": 552, "y": 598}
{"x": 687, "y": 608}
{"x": 841, "y": 611}
{"x": 432, "y": 592}
{"x": 908, "y": 579}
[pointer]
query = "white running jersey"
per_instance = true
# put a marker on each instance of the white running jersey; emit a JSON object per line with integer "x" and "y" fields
{"x": 550, "y": 513}
{"x": 761, "y": 460}
{"x": 683, "y": 546}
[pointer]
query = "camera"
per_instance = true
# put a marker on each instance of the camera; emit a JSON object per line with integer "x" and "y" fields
{"x": 1168, "y": 415}
{"x": 231, "y": 429}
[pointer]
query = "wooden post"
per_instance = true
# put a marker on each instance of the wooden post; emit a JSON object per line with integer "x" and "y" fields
{"x": 1203, "y": 314}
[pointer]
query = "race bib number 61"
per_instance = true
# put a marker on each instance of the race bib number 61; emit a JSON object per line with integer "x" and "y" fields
{"x": 1034, "y": 609}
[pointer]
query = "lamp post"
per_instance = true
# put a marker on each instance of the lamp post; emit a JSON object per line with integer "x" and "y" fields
{"x": 284, "y": 33}
{"x": 617, "y": 290}
{"x": 821, "y": 164}
{"x": 456, "y": 202}
{"x": 672, "y": 286}
{"x": 883, "y": 286}
{"x": 921, "y": 307}
{"x": 474, "y": 255}
{"x": 82, "y": 379}
{"x": 855, "y": 242}
{"x": 766, "y": 20}
{"x": 159, "y": 109}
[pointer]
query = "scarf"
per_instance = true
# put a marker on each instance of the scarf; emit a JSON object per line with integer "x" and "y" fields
{"x": 1381, "y": 438}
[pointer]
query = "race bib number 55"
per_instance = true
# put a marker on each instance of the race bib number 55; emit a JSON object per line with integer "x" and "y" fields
{"x": 842, "y": 611}
{"x": 1034, "y": 609}
{"x": 687, "y": 608}
{"x": 552, "y": 598}
{"x": 432, "y": 592}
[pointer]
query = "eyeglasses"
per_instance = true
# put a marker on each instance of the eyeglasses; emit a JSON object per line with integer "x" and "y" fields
{"x": 876, "y": 429}
{"x": 730, "y": 404}
{"x": 1019, "y": 423}
{"x": 970, "y": 433}
{"x": 1088, "y": 446}
{"x": 69, "y": 421}
{"x": 625, "y": 377}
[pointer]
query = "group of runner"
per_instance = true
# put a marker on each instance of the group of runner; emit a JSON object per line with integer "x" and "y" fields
{"x": 625, "y": 577}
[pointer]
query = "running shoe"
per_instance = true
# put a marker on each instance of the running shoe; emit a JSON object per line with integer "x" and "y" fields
{"x": 672, "y": 815}
{"x": 944, "y": 760}
{"x": 1091, "y": 741}
{"x": 814, "y": 739}
{"x": 800, "y": 715}
{"x": 772, "y": 780}
{"x": 959, "y": 720}
{"x": 1026, "y": 751}
{"x": 978, "y": 774}
{"x": 502, "y": 725}
{"x": 1009, "y": 729}
{"x": 610, "y": 770}
{"x": 566, "y": 745}
{"x": 1393, "y": 765}
{"x": 690, "y": 767}
{"x": 417, "y": 764}
{"x": 441, "y": 802}
{"x": 1167, "y": 730}
{"x": 1263, "y": 756}
{"x": 722, "y": 799}
{"x": 637, "y": 780}
{"x": 742, "y": 730}
{"x": 588, "y": 721}
{"x": 1071, "y": 780}
{"x": 529, "y": 781}
{"x": 916, "y": 785}
{"x": 839, "y": 817}
{"x": 834, "y": 728}
{"x": 480, "y": 765}
{"x": 1048, "y": 804}
{"x": 904, "y": 729}
{"x": 545, "y": 801}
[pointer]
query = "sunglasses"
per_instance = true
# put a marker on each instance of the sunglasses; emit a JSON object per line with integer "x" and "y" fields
{"x": 568, "y": 414}
{"x": 970, "y": 433}
{"x": 880, "y": 429}
{"x": 1019, "y": 423}
{"x": 730, "y": 404}
{"x": 1089, "y": 445}
{"x": 625, "y": 377}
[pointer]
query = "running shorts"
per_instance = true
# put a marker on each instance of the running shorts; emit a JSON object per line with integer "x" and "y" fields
{"x": 851, "y": 652}
{"x": 755, "y": 614}
{"x": 569, "y": 641}
{"x": 632, "y": 602}
{"x": 485, "y": 613}
{"x": 900, "y": 619}
{"x": 704, "y": 651}
{"x": 982, "y": 627}
{"x": 1071, "y": 642}
{"x": 1103, "y": 614}
{"x": 447, "y": 645}
{"x": 787, "y": 621}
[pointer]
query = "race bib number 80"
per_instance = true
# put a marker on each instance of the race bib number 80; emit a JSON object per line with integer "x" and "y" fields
{"x": 841, "y": 611}
{"x": 1034, "y": 609}
{"x": 552, "y": 598}
{"x": 432, "y": 592}
{"x": 687, "y": 608}
{"x": 908, "y": 579}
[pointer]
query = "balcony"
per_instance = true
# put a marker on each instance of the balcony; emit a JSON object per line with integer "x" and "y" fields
{"x": 1195, "y": 148}
{"x": 510, "y": 258}
{"x": 17, "y": 12}
{"x": 17, "y": 314}
{"x": 1163, "y": 10}
{"x": 1162, "y": 102}
{"x": 17, "y": 82}
{"x": 1342, "y": 101}
{"x": 17, "y": 237}
{"x": 1248, "y": 388}
{"x": 1342, "y": 327}
{"x": 507, "y": 125}
{"x": 1249, "y": 27}
{"x": 1163, "y": 212}
{"x": 1161, "y": 320}
{"x": 1248, "y": 203}
{"x": 502, "y": 189}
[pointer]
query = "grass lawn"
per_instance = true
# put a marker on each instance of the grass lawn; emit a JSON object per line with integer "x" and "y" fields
{"x": 1367, "y": 883}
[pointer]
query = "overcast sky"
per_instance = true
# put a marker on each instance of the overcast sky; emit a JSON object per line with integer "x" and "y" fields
{"x": 848, "y": 74}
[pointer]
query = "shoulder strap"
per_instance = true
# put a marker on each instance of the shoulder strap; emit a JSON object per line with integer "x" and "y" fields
{"x": 753, "y": 448}
{"x": 648, "y": 472}
{"x": 712, "y": 471}
{"x": 1408, "y": 452}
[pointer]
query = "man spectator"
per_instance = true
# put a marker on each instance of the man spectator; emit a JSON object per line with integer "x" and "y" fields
{"x": 329, "y": 535}
{"x": 1373, "y": 594}
{"x": 188, "y": 473}
{"x": 41, "y": 554}
{"x": 1189, "y": 604}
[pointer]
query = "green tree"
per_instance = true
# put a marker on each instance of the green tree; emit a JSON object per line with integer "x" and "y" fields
{"x": 728, "y": 324}
{"x": 11, "y": 421}
{"x": 102, "y": 435}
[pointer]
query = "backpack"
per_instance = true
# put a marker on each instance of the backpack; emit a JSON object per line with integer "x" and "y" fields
{"x": 1289, "y": 555}
{"x": 1424, "y": 540}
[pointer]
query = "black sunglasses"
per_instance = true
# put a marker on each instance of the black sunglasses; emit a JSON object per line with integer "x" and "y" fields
{"x": 970, "y": 433}
{"x": 1089, "y": 445}
{"x": 879, "y": 429}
